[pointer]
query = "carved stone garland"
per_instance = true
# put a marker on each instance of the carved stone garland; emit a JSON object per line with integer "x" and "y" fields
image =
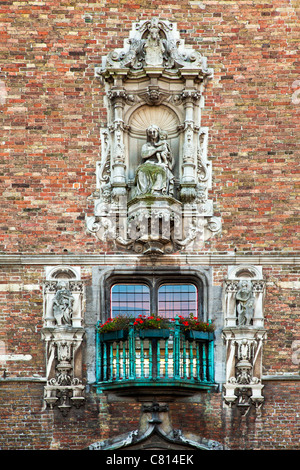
{"x": 244, "y": 335}
{"x": 63, "y": 334}
{"x": 154, "y": 175}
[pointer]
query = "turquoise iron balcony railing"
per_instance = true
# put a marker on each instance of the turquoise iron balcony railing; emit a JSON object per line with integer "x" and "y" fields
{"x": 156, "y": 358}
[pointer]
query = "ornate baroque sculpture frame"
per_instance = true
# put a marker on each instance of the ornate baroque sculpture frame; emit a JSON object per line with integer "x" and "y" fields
{"x": 154, "y": 201}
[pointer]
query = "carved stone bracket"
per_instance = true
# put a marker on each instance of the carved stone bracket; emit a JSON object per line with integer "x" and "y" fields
{"x": 155, "y": 408}
{"x": 243, "y": 385}
{"x": 154, "y": 151}
{"x": 63, "y": 334}
{"x": 244, "y": 335}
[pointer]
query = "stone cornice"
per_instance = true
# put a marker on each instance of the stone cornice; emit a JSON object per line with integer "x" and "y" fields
{"x": 205, "y": 259}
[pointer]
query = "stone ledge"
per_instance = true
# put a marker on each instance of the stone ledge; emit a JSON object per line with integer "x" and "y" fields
{"x": 280, "y": 377}
{"x": 120, "y": 258}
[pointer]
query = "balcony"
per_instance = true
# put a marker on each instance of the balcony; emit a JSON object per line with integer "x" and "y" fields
{"x": 171, "y": 358}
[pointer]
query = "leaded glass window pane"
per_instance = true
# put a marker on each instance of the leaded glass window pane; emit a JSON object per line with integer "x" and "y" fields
{"x": 177, "y": 299}
{"x": 130, "y": 299}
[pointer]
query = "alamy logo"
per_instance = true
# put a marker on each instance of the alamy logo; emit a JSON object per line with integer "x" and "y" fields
{"x": 296, "y": 352}
{"x": 296, "y": 94}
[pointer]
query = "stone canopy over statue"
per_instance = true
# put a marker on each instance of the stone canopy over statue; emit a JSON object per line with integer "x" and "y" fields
{"x": 154, "y": 176}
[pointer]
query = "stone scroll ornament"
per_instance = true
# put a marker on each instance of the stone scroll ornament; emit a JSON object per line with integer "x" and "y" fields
{"x": 63, "y": 335}
{"x": 154, "y": 167}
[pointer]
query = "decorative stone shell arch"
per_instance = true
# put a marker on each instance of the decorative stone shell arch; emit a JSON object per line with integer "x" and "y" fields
{"x": 245, "y": 272}
{"x": 62, "y": 272}
{"x": 140, "y": 116}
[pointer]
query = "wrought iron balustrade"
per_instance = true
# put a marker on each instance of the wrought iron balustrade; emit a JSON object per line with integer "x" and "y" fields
{"x": 168, "y": 357}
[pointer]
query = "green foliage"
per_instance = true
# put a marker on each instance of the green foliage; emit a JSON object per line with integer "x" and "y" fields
{"x": 121, "y": 322}
{"x": 142, "y": 322}
{"x": 193, "y": 323}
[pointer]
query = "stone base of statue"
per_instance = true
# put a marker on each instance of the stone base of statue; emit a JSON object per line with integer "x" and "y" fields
{"x": 153, "y": 223}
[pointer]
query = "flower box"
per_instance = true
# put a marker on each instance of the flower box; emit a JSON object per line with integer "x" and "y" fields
{"x": 192, "y": 335}
{"x": 118, "y": 335}
{"x": 154, "y": 333}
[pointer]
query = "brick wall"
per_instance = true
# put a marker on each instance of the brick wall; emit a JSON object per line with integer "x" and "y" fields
{"x": 52, "y": 109}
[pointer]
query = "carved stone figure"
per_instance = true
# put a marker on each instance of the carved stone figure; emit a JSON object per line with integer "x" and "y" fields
{"x": 188, "y": 149}
{"x": 244, "y": 350}
{"x": 155, "y": 43}
{"x": 154, "y": 47}
{"x": 119, "y": 153}
{"x": 63, "y": 305}
{"x": 244, "y": 303}
{"x": 155, "y": 175}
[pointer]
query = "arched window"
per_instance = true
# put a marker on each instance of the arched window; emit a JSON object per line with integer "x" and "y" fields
{"x": 130, "y": 299}
{"x": 166, "y": 300}
{"x": 177, "y": 299}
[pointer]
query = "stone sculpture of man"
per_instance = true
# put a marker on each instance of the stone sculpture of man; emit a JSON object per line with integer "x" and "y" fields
{"x": 63, "y": 305}
{"x": 245, "y": 303}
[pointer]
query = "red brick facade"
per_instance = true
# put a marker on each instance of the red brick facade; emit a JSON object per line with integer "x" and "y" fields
{"x": 52, "y": 108}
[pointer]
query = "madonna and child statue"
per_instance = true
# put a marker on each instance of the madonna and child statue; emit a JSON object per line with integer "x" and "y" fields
{"x": 154, "y": 176}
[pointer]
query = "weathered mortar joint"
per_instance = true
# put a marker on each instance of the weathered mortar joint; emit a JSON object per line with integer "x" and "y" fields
{"x": 63, "y": 334}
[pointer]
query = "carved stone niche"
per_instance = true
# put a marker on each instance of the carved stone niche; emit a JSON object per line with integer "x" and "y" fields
{"x": 243, "y": 335}
{"x": 154, "y": 175}
{"x": 63, "y": 333}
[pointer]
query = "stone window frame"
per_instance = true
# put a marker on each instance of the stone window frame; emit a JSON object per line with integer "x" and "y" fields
{"x": 154, "y": 278}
